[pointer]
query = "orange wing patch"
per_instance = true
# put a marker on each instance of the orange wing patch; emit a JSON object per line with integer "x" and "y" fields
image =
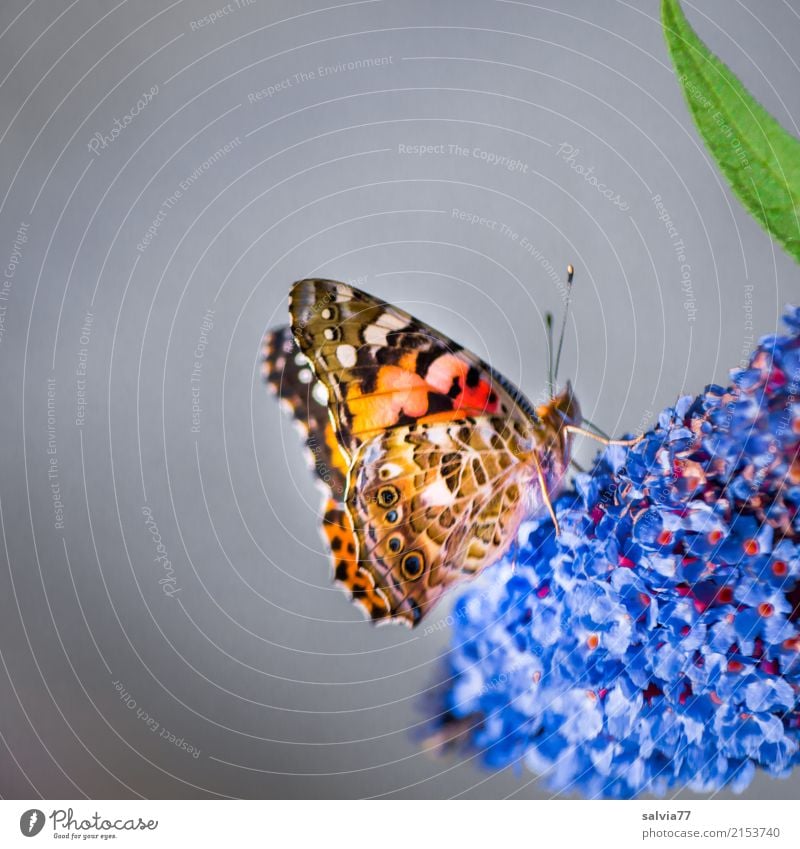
{"x": 333, "y": 451}
{"x": 383, "y": 368}
{"x": 337, "y": 528}
{"x": 449, "y": 389}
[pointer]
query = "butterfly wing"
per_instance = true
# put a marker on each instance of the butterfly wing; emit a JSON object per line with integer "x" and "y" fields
{"x": 421, "y": 418}
{"x": 289, "y": 376}
{"x": 433, "y": 504}
{"x": 383, "y": 368}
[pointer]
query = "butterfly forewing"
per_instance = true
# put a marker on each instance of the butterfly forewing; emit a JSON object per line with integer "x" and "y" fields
{"x": 385, "y": 369}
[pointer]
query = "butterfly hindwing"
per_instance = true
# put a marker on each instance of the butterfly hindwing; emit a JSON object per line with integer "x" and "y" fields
{"x": 337, "y": 528}
{"x": 433, "y": 504}
{"x": 289, "y": 375}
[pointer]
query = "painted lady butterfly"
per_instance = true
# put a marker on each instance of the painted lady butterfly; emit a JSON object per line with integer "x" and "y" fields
{"x": 429, "y": 458}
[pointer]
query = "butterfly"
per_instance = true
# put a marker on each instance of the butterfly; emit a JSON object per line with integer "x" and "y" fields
{"x": 429, "y": 458}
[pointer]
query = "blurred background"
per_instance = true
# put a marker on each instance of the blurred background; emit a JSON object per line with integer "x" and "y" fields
{"x": 168, "y": 624}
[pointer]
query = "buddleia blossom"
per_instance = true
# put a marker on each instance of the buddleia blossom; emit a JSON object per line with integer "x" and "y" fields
{"x": 654, "y": 643}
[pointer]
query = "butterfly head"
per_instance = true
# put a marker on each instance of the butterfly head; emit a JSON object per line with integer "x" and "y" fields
{"x": 561, "y": 410}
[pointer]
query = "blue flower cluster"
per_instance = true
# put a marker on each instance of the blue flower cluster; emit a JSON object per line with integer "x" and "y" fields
{"x": 655, "y": 643}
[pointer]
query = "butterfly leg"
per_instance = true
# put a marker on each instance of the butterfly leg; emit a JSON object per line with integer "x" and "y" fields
{"x": 545, "y": 495}
{"x": 580, "y": 431}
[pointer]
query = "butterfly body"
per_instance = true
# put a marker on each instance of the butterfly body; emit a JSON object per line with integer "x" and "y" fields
{"x": 436, "y": 458}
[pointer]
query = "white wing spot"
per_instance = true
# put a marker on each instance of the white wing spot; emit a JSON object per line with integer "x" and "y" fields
{"x": 346, "y": 354}
{"x": 375, "y": 335}
{"x": 392, "y": 321}
{"x": 439, "y": 435}
{"x": 319, "y": 393}
{"x": 437, "y": 495}
{"x": 389, "y": 470}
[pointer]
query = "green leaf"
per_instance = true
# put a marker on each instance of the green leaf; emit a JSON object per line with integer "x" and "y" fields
{"x": 758, "y": 157}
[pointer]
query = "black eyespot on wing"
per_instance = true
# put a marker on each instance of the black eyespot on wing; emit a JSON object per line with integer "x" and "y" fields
{"x": 388, "y": 495}
{"x": 473, "y": 377}
{"x": 412, "y": 565}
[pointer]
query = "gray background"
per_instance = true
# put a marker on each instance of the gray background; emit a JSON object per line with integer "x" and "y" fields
{"x": 258, "y": 661}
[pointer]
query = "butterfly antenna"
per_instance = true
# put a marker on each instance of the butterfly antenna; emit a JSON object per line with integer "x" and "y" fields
{"x": 548, "y": 320}
{"x": 570, "y": 275}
